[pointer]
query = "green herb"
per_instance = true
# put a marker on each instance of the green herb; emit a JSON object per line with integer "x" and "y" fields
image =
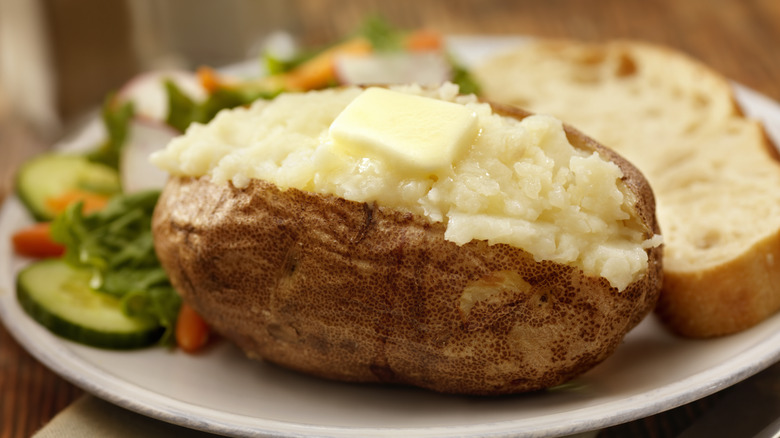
{"x": 275, "y": 65}
{"x": 116, "y": 245}
{"x": 116, "y": 119}
{"x": 234, "y": 96}
{"x": 183, "y": 111}
{"x": 383, "y": 36}
{"x": 463, "y": 78}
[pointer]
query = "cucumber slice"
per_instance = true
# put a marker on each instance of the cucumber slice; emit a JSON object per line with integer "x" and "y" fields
{"x": 49, "y": 175}
{"x": 58, "y": 296}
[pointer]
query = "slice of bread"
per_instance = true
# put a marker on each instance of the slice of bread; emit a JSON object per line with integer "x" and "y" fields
{"x": 715, "y": 174}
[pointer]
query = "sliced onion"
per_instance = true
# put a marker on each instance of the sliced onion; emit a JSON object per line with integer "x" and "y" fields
{"x": 148, "y": 94}
{"x": 423, "y": 68}
{"x": 145, "y": 136}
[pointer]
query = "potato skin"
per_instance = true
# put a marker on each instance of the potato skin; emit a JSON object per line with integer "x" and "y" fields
{"x": 358, "y": 292}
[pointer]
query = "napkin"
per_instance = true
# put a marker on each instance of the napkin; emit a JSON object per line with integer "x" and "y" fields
{"x": 91, "y": 417}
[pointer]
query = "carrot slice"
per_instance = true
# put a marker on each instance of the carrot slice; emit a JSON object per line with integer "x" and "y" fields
{"x": 92, "y": 201}
{"x": 35, "y": 241}
{"x": 192, "y": 332}
{"x": 423, "y": 40}
{"x": 209, "y": 79}
{"x": 320, "y": 71}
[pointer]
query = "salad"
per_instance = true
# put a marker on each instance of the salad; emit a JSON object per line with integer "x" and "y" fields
{"x": 94, "y": 277}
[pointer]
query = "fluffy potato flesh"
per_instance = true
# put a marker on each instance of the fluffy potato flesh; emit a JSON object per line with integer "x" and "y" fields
{"x": 358, "y": 291}
{"x": 518, "y": 182}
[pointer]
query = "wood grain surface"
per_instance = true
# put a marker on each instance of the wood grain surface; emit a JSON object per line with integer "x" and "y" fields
{"x": 741, "y": 39}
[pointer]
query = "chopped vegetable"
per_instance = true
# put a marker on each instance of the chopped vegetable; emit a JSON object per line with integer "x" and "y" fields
{"x": 192, "y": 332}
{"x": 320, "y": 71}
{"x": 50, "y": 176}
{"x": 426, "y": 68}
{"x": 116, "y": 246}
{"x": 308, "y": 71}
{"x": 116, "y": 118}
{"x": 209, "y": 79}
{"x": 464, "y": 79}
{"x": 150, "y": 98}
{"x": 36, "y": 241}
{"x": 58, "y": 296}
{"x": 422, "y": 40}
{"x": 136, "y": 171}
{"x": 382, "y": 35}
{"x": 92, "y": 201}
{"x": 182, "y": 110}
{"x": 223, "y": 95}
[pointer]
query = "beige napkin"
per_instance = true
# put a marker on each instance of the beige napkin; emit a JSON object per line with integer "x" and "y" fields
{"x": 91, "y": 417}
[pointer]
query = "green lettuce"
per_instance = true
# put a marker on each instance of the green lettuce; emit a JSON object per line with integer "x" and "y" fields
{"x": 116, "y": 245}
{"x": 116, "y": 119}
{"x": 183, "y": 110}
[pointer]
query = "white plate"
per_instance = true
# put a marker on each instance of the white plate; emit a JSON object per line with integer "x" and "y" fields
{"x": 222, "y": 392}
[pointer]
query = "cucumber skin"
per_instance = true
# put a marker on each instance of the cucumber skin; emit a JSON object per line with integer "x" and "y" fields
{"x": 25, "y": 195}
{"x": 80, "y": 334}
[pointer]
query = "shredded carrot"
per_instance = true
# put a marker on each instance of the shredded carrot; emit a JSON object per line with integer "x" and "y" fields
{"x": 92, "y": 201}
{"x": 320, "y": 71}
{"x": 423, "y": 40}
{"x": 35, "y": 241}
{"x": 192, "y": 332}
{"x": 209, "y": 79}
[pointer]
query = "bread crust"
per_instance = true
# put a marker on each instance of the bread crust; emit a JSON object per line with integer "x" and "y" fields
{"x": 725, "y": 298}
{"x": 357, "y": 292}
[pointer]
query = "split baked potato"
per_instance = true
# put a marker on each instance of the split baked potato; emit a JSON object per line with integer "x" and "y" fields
{"x": 362, "y": 291}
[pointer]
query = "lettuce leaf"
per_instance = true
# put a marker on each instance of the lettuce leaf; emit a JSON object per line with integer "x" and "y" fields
{"x": 116, "y": 119}
{"x": 183, "y": 110}
{"x": 116, "y": 245}
{"x": 384, "y": 37}
{"x": 463, "y": 78}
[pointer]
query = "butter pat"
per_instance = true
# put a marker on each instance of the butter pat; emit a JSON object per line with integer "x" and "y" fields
{"x": 408, "y": 131}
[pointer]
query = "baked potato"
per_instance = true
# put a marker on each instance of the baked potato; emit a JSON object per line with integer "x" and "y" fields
{"x": 367, "y": 291}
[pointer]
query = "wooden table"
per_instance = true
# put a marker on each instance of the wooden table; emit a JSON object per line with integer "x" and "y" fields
{"x": 741, "y": 38}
